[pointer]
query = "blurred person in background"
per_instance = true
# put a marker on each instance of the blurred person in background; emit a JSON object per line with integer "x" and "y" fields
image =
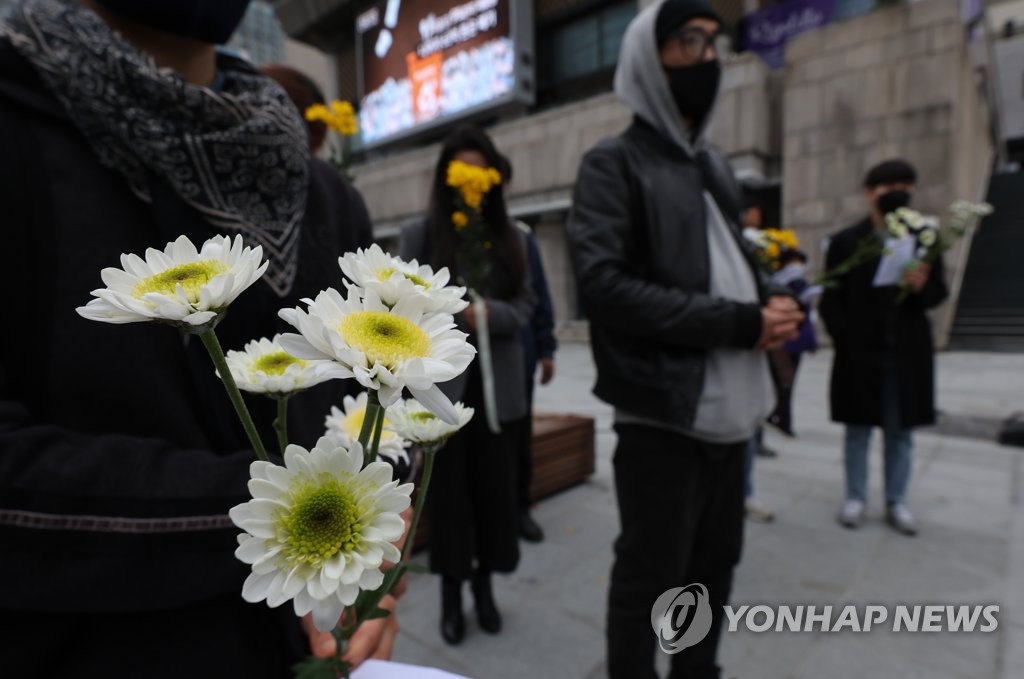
{"x": 785, "y": 361}
{"x": 539, "y": 346}
{"x": 355, "y": 226}
{"x": 474, "y": 512}
{"x": 883, "y": 369}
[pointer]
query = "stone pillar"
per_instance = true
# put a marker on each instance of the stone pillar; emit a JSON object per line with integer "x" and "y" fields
{"x": 745, "y": 117}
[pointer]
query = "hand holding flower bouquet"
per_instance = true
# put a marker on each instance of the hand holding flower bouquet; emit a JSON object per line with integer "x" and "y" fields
{"x": 471, "y": 185}
{"x": 931, "y": 239}
{"x": 319, "y": 529}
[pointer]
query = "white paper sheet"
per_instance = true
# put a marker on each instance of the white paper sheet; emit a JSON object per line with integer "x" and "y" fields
{"x": 380, "y": 669}
{"x": 891, "y": 268}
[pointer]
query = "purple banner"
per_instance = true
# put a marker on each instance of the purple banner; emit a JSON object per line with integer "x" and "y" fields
{"x": 768, "y": 30}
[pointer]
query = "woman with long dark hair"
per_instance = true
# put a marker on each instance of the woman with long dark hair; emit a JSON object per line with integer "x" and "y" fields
{"x": 473, "y": 509}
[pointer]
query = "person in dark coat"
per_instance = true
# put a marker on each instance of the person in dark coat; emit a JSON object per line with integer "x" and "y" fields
{"x": 883, "y": 373}
{"x": 473, "y": 508}
{"x": 120, "y": 454}
{"x": 680, "y": 315}
{"x": 539, "y": 346}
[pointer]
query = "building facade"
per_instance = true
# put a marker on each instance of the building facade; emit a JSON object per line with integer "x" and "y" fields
{"x": 898, "y": 81}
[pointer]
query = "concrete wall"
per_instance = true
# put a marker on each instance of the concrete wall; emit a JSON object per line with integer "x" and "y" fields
{"x": 895, "y": 83}
{"x": 747, "y": 117}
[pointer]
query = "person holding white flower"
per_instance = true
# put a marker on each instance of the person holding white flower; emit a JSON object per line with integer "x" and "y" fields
{"x": 883, "y": 371}
{"x": 122, "y": 128}
{"x": 474, "y": 516}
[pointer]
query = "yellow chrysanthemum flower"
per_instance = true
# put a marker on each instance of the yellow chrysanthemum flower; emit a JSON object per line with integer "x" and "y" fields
{"x": 340, "y": 117}
{"x": 472, "y": 182}
{"x": 459, "y": 220}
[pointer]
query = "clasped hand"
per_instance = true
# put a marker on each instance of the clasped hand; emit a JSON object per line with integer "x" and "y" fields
{"x": 780, "y": 322}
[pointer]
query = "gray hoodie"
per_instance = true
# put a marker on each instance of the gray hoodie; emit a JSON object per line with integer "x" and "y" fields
{"x": 738, "y": 392}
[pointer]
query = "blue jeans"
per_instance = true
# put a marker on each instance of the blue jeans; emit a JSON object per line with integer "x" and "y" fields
{"x": 899, "y": 447}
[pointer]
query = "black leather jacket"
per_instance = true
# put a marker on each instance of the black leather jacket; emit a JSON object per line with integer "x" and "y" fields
{"x": 638, "y": 239}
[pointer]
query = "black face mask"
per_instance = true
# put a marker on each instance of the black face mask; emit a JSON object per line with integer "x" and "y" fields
{"x": 694, "y": 88}
{"x": 893, "y": 200}
{"x": 211, "y": 21}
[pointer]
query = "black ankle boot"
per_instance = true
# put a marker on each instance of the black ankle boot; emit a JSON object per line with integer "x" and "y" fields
{"x": 487, "y": 614}
{"x": 453, "y": 624}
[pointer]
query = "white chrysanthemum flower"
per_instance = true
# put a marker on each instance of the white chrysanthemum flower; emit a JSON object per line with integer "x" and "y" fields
{"x": 927, "y": 237}
{"x": 344, "y": 426}
{"x": 899, "y": 230}
{"x": 318, "y": 529}
{"x": 411, "y": 420}
{"x": 757, "y": 237}
{"x": 264, "y": 367}
{"x": 912, "y": 218}
{"x": 391, "y": 279}
{"x": 384, "y": 349}
{"x": 181, "y": 285}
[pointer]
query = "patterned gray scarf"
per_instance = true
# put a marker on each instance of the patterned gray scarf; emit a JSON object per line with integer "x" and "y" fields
{"x": 237, "y": 155}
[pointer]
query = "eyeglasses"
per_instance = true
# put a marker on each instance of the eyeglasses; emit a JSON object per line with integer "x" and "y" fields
{"x": 696, "y": 41}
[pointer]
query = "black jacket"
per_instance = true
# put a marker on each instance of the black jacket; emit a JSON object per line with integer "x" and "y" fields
{"x": 638, "y": 239}
{"x": 866, "y": 325}
{"x": 104, "y": 428}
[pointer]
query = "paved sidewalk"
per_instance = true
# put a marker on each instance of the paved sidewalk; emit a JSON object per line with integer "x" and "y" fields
{"x": 965, "y": 493}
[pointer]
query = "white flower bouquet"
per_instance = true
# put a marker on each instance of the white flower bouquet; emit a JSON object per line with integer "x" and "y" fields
{"x": 319, "y": 528}
{"x": 930, "y": 239}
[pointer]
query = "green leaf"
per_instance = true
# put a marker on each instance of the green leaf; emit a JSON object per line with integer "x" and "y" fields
{"x": 318, "y": 668}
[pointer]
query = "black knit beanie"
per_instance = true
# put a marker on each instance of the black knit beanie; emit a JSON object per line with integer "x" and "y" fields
{"x": 675, "y": 13}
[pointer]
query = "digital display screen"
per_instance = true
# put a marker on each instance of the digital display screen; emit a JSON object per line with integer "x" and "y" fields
{"x": 427, "y": 61}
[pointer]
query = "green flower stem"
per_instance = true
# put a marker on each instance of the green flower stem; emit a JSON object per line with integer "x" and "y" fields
{"x": 867, "y": 249}
{"x": 377, "y": 430}
{"x": 213, "y": 347}
{"x": 373, "y": 412}
{"x": 421, "y": 498}
{"x": 342, "y": 633}
{"x": 369, "y": 601}
{"x": 281, "y": 423}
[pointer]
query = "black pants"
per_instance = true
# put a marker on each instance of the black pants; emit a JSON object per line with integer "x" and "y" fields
{"x": 523, "y": 434}
{"x": 472, "y": 498}
{"x": 783, "y": 367}
{"x": 681, "y": 509}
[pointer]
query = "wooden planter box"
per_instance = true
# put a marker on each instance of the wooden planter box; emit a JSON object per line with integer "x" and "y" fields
{"x": 563, "y": 456}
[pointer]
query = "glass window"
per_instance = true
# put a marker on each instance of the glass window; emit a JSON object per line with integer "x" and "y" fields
{"x": 583, "y": 47}
{"x": 614, "y": 21}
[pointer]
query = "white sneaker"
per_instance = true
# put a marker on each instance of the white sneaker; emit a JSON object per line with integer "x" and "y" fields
{"x": 852, "y": 513}
{"x": 900, "y": 518}
{"x": 756, "y": 511}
